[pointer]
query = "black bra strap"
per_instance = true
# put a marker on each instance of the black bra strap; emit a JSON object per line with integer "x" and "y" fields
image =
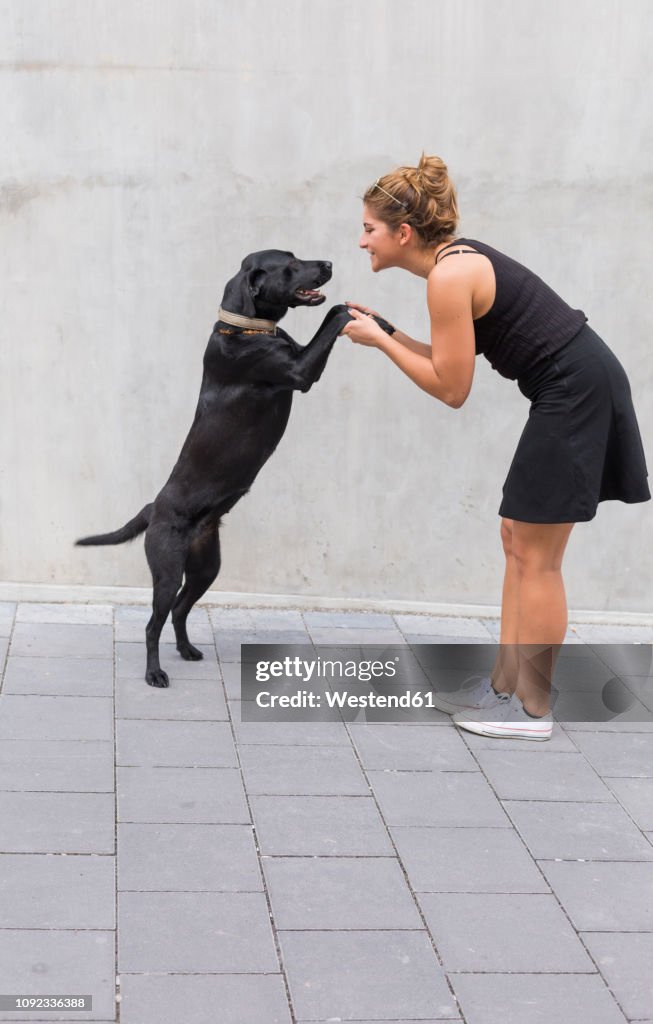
{"x": 456, "y": 241}
{"x": 454, "y": 252}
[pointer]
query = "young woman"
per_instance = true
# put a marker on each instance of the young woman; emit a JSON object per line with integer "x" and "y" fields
{"x": 581, "y": 444}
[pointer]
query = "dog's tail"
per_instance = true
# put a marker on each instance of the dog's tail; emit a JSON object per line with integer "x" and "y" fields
{"x": 127, "y": 532}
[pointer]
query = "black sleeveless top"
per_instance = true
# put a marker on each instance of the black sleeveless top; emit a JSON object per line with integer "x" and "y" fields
{"x": 528, "y": 321}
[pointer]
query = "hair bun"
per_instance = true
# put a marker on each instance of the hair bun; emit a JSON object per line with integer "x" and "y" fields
{"x": 423, "y": 196}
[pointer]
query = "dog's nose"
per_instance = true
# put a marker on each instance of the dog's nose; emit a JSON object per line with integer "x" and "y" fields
{"x": 327, "y": 265}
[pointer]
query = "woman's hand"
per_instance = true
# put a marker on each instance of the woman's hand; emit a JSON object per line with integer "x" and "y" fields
{"x": 363, "y": 309}
{"x": 362, "y": 329}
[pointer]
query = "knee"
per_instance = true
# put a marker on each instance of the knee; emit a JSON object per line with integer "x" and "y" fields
{"x": 529, "y": 558}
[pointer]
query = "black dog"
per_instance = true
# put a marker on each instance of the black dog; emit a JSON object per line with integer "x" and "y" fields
{"x": 251, "y": 368}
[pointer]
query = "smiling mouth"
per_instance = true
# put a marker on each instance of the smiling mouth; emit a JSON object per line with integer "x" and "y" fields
{"x": 310, "y": 295}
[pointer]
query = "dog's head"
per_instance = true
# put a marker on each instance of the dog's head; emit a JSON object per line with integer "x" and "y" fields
{"x": 271, "y": 281}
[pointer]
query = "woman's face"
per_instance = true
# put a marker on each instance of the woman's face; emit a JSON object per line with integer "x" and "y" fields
{"x": 379, "y": 241}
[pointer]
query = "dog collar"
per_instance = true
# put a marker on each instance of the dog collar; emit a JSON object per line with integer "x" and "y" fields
{"x": 247, "y": 322}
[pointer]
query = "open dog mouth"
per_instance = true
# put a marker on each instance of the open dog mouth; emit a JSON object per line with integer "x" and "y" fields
{"x": 310, "y": 296}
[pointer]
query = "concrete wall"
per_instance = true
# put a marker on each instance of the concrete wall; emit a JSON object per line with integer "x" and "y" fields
{"x": 153, "y": 144}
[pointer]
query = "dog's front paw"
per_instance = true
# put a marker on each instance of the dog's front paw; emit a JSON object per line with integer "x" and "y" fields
{"x": 157, "y": 677}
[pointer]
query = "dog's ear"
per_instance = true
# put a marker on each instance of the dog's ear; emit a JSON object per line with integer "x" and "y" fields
{"x": 241, "y": 292}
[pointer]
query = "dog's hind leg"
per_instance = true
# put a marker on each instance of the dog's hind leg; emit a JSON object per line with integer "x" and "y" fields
{"x": 166, "y": 551}
{"x": 202, "y": 567}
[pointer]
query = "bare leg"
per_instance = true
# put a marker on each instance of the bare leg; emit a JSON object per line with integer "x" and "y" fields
{"x": 533, "y": 611}
{"x": 538, "y": 549}
{"x": 505, "y": 671}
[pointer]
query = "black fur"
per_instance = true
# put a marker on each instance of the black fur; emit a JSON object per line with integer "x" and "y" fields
{"x": 241, "y": 415}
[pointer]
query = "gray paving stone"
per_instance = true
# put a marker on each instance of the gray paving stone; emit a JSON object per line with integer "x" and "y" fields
{"x": 230, "y": 671}
{"x": 26, "y": 717}
{"x": 130, "y": 663}
{"x": 196, "y": 933}
{"x": 200, "y": 795}
{"x": 641, "y": 687}
{"x": 437, "y": 798}
{"x": 204, "y": 999}
{"x": 354, "y": 975}
{"x": 54, "y": 639}
{"x": 226, "y": 619}
{"x": 187, "y": 700}
{"x": 57, "y": 823}
{"x": 613, "y": 634}
{"x": 175, "y": 744}
{"x": 228, "y": 642}
{"x": 33, "y": 962}
{"x": 45, "y": 891}
{"x": 581, "y": 673}
{"x": 616, "y": 896}
{"x": 319, "y": 826}
{"x": 627, "y": 723}
{"x": 348, "y": 620}
{"x": 4, "y": 645}
{"x": 411, "y": 748}
{"x": 467, "y": 860}
{"x": 636, "y": 795}
{"x": 524, "y": 775}
{"x": 634, "y": 659}
{"x": 574, "y": 831}
{"x": 587, "y": 707}
{"x": 303, "y": 771}
{"x": 617, "y": 755}
{"x": 336, "y": 638}
{"x": 83, "y": 677}
{"x": 276, "y": 619}
{"x": 427, "y": 625}
{"x": 430, "y": 639}
{"x": 7, "y": 613}
{"x": 129, "y": 612}
{"x": 535, "y": 999}
{"x": 187, "y": 858}
{"x": 256, "y": 619}
{"x": 516, "y": 933}
{"x": 300, "y": 734}
{"x": 625, "y": 962}
{"x": 87, "y": 614}
{"x": 56, "y": 766}
{"x": 339, "y": 893}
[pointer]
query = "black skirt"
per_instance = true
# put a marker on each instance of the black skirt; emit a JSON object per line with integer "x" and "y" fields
{"x": 581, "y": 444}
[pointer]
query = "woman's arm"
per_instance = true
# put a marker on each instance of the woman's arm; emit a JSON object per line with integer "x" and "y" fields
{"x": 448, "y": 371}
{"x": 415, "y": 346}
{"x": 405, "y": 339}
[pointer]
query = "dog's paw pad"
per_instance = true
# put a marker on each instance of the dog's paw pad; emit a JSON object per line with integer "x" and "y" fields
{"x": 157, "y": 677}
{"x": 190, "y": 653}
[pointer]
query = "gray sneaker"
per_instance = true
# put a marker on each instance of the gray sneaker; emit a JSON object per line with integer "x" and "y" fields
{"x": 473, "y": 695}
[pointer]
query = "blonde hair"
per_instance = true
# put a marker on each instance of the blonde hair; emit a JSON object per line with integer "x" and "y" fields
{"x": 422, "y": 196}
